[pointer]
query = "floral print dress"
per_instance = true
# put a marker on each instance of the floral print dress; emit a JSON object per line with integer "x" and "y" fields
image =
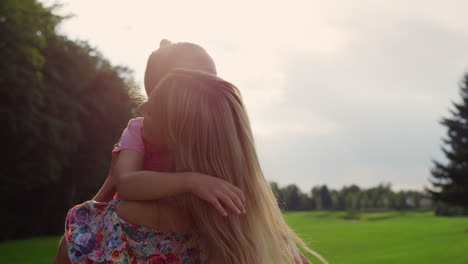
{"x": 96, "y": 234}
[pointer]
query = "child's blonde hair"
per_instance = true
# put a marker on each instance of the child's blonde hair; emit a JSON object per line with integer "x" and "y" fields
{"x": 207, "y": 130}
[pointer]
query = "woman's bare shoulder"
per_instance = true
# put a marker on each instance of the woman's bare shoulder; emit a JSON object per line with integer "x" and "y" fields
{"x": 158, "y": 215}
{"x": 135, "y": 212}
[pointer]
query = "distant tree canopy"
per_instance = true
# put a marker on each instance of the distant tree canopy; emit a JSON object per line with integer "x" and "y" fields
{"x": 63, "y": 108}
{"x": 450, "y": 181}
{"x": 352, "y": 198}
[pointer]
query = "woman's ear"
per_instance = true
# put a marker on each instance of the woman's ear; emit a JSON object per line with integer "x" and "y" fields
{"x": 164, "y": 43}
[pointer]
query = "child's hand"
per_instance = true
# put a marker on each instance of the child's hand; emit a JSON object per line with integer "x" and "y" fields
{"x": 217, "y": 192}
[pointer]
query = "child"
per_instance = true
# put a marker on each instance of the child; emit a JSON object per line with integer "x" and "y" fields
{"x": 135, "y": 157}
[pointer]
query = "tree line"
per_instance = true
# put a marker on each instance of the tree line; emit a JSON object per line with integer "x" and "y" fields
{"x": 353, "y": 198}
{"x": 63, "y": 107}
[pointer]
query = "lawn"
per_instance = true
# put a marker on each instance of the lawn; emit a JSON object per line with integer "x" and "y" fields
{"x": 377, "y": 238}
{"x": 29, "y": 251}
{"x": 384, "y": 238}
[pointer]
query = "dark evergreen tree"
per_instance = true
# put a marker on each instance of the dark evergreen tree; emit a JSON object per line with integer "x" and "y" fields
{"x": 450, "y": 181}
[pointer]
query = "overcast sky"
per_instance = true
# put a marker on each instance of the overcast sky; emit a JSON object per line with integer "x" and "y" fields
{"x": 338, "y": 92}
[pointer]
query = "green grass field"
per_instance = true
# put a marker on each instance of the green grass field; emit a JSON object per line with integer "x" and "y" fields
{"x": 377, "y": 238}
{"x": 384, "y": 238}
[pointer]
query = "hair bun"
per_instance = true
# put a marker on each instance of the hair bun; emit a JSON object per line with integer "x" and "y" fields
{"x": 164, "y": 43}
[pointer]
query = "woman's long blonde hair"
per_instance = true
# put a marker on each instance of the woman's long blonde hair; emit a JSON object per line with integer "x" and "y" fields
{"x": 205, "y": 126}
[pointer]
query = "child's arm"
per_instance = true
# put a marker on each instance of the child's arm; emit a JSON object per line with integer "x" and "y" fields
{"x": 135, "y": 184}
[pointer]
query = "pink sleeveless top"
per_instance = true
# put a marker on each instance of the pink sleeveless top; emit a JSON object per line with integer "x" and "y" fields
{"x": 132, "y": 139}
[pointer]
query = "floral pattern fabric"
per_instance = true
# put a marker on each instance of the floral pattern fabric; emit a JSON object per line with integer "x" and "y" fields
{"x": 96, "y": 234}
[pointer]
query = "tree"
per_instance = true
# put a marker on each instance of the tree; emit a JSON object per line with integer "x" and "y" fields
{"x": 278, "y": 194}
{"x": 317, "y": 199}
{"x": 292, "y": 197}
{"x": 400, "y": 199}
{"x": 307, "y": 203}
{"x": 335, "y": 199}
{"x": 64, "y": 106}
{"x": 363, "y": 201}
{"x": 343, "y": 193}
{"x": 450, "y": 181}
{"x": 351, "y": 201}
{"x": 325, "y": 198}
{"x": 24, "y": 26}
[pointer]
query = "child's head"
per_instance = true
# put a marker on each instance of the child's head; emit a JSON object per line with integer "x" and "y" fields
{"x": 170, "y": 56}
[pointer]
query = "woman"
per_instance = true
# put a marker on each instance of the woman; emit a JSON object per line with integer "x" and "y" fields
{"x": 201, "y": 122}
